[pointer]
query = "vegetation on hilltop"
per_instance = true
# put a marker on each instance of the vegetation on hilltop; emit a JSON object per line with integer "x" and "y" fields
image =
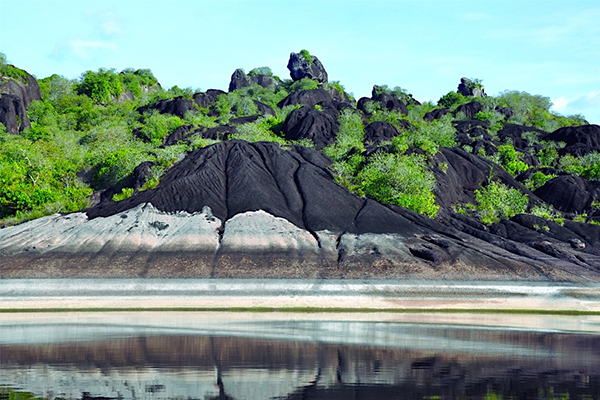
{"x": 88, "y": 135}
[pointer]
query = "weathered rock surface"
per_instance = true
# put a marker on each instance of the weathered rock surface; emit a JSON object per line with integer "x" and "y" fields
{"x": 256, "y": 210}
{"x": 240, "y": 80}
{"x": 177, "y": 106}
{"x": 26, "y": 91}
{"x": 306, "y": 97}
{"x": 467, "y": 87}
{"x": 301, "y": 68}
{"x": 13, "y": 114}
{"x": 309, "y": 123}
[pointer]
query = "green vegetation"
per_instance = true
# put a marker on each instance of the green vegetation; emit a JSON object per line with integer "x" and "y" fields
{"x": 306, "y": 56}
{"x": 496, "y": 201}
{"x": 90, "y": 133}
{"x": 587, "y": 166}
{"x": 403, "y": 180}
{"x": 8, "y": 71}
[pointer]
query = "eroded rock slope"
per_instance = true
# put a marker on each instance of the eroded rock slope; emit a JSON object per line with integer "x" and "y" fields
{"x": 258, "y": 210}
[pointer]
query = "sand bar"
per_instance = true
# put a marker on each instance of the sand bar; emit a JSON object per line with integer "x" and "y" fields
{"x": 220, "y": 294}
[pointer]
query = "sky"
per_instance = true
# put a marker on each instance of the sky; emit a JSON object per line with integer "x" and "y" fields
{"x": 549, "y": 48}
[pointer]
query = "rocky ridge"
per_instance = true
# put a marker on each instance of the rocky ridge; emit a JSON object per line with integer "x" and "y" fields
{"x": 263, "y": 210}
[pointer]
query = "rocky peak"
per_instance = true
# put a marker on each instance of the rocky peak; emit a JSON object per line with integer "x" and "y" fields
{"x": 304, "y": 65}
{"x": 467, "y": 87}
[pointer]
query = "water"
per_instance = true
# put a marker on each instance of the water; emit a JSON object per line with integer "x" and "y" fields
{"x": 210, "y": 355}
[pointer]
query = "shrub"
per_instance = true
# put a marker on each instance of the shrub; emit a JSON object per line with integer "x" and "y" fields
{"x": 258, "y": 131}
{"x": 587, "y": 166}
{"x": 510, "y": 160}
{"x": 350, "y": 136}
{"x": 428, "y": 136}
{"x": 452, "y": 100}
{"x": 537, "y": 180}
{"x": 102, "y": 87}
{"x": 304, "y": 84}
{"x": 403, "y": 180}
{"x": 548, "y": 212}
{"x": 261, "y": 71}
{"x": 125, "y": 194}
{"x": 306, "y": 56}
{"x": 10, "y": 71}
{"x": 497, "y": 200}
{"x": 157, "y": 126}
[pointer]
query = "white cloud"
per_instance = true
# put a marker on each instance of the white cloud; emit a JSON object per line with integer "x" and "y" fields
{"x": 81, "y": 49}
{"x": 587, "y": 105}
{"x": 106, "y": 23}
{"x": 560, "y": 104}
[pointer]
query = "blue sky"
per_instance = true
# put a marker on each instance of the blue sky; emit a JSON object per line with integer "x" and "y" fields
{"x": 551, "y": 48}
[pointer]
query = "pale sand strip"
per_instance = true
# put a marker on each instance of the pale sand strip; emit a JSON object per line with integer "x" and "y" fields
{"x": 73, "y": 294}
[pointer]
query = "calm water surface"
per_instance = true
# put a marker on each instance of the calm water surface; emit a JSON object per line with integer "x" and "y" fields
{"x": 157, "y": 355}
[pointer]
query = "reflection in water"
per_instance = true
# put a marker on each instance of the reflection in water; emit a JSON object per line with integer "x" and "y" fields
{"x": 209, "y": 356}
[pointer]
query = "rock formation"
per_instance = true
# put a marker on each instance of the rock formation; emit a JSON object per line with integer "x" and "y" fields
{"x": 303, "y": 66}
{"x": 238, "y": 209}
{"x": 467, "y": 87}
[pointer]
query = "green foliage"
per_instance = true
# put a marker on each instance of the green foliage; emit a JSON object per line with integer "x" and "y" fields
{"x": 389, "y": 116}
{"x": 36, "y": 176}
{"x": 403, "y": 180}
{"x": 270, "y": 95}
{"x": 350, "y": 136}
{"x": 306, "y": 56}
{"x": 259, "y": 131}
{"x": 529, "y": 109}
{"x": 138, "y": 81}
{"x": 452, "y": 100}
{"x": 125, "y": 194}
{"x": 261, "y": 71}
{"x": 548, "y": 212}
{"x": 496, "y": 201}
{"x": 157, "y": 126}
{"x": 10, "y": 71}
{"x": 510, "y": 160}
{"x": 102, "y": 87}
{"x": 587, "y": 166}
{"x": 335, "y": 85}
{"x": 548, "y": 155}
{"x": 304, "y": 84}
{"x": 117, "y": 165}
{"x": 428, "y": 136}
{"x": 537, "y": 180}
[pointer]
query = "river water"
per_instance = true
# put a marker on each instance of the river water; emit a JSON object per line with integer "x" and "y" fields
{"x": 228, "y": 355}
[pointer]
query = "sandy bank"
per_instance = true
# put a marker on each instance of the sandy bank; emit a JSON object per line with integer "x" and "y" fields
{"x": 208, "y": 294}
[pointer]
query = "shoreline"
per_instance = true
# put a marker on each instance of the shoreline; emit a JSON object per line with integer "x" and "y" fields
{"x": 289, "y": 295}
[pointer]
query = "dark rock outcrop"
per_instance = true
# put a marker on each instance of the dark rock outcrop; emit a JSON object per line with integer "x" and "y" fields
{"x": 26, "y": 91}
{"x": 13, "y": 114}
{"x": 469, "y": 109}
{"x": 390, "y": 102}
{"x": 515, "y": 133}
{"x": 569, "y": 193}
{"x": 379, "y": 131}
{"x": 435, "y": 114}
{"x": 301, "y": 68}
{"x": 208, "y": 98}
{"x": 467, "y": 87}
{"x": 239, "y": 80}
{"x": 306, "y": 97}
{"x": 580, "y": 140}
{"x": 238, "y": 209}
{"x": 309, "y": 123}
{"x": 177, "y": 106}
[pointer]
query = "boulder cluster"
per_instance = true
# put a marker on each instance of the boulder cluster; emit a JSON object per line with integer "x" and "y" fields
{"x": 240, "y": 209}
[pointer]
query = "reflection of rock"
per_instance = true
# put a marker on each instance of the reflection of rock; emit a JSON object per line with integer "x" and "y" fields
{"x": 418, "y": 361}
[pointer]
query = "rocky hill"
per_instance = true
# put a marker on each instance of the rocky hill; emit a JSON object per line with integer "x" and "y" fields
{"x": 296, "y": 179}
